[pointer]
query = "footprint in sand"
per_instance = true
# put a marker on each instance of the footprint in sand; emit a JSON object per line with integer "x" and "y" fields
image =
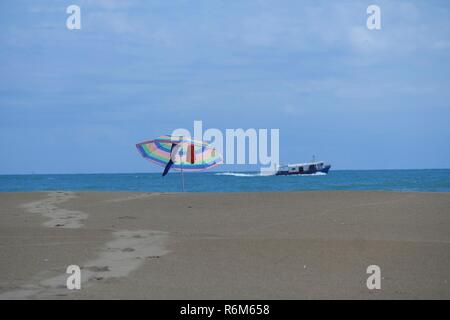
{"x": 59, "y": 217}
{"x": 127, "y": 217}
{"x": 127, "y": 252}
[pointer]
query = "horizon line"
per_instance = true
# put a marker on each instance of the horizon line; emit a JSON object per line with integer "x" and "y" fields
{"x": 177, "y": 172}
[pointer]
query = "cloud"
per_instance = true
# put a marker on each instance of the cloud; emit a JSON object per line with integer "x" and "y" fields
{"x": 138, "y": 68}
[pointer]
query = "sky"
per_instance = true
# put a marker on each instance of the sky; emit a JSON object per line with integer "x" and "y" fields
{"x": 77, "y": 101}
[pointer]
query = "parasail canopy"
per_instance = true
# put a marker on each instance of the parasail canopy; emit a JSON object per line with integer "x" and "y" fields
{"x": 180, "y": 153}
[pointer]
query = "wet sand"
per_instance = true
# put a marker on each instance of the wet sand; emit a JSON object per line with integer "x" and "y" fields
{"x": 289, "y": 245}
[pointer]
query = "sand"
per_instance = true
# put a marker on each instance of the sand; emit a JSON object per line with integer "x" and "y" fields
{"x": 287, "y": 245}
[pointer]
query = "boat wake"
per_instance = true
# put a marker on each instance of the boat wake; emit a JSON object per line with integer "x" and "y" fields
{"x": 307, "y": 174}
{"x": 265, "y": 174}
{"x": 239, "y": 174}
{"x": 314, "y": 174}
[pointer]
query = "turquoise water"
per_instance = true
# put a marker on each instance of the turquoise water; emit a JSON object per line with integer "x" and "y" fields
{"x": 392, "y": 180}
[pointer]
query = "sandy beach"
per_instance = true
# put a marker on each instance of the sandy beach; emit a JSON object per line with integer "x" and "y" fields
{"x": 287, "y": 245}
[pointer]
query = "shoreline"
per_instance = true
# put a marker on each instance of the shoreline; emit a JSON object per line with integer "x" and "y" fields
{"x": 237, "y": 245}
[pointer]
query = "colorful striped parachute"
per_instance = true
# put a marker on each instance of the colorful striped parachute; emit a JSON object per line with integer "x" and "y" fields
{"x": 180, "y": 153}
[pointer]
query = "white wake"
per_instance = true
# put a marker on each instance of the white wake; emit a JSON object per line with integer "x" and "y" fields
{"x": 265, "y": 174}
{"x": 239, "y": 174}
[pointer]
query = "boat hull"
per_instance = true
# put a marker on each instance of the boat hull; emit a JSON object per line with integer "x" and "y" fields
{"x": 310, "y": 170}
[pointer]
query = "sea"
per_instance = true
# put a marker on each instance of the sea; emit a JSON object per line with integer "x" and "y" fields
{"x": 431, "y": 180}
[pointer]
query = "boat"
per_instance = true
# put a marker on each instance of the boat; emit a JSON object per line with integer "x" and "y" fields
{"x": 303, "y": 168}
